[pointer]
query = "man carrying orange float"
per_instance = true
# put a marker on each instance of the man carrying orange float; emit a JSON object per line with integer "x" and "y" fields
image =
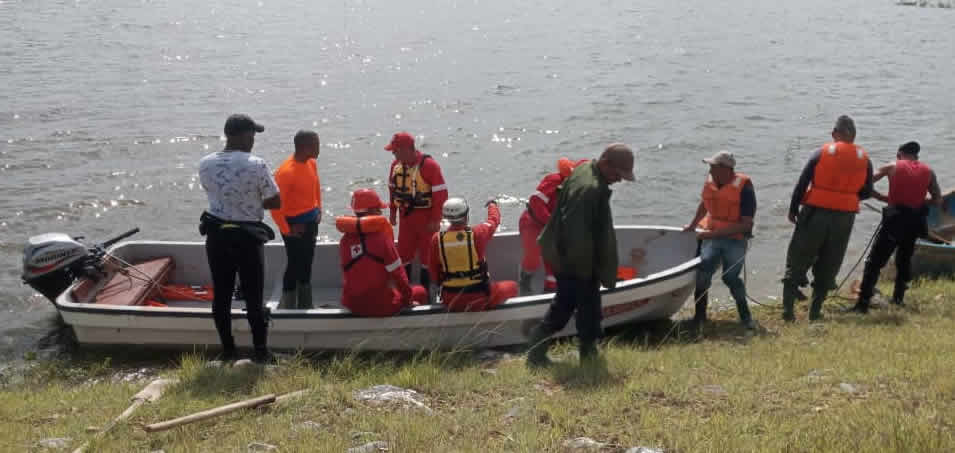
{"x": 459, "y": 260}
{"x": 540, "y": 205}
{"x": 375, "y": 283}
{"x": 417, "y": 193}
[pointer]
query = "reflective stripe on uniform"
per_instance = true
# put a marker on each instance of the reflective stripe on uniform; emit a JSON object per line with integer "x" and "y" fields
{"x": 391, "y": 267}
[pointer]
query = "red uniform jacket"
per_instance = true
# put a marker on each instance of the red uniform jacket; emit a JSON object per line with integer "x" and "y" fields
{"x": 368, "y": 276}
{"x": 431, "y": 173}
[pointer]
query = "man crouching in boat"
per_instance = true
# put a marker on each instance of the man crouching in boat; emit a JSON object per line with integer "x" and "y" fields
{"x": 460, "y": 263}
{"x": 375, "y": 281}
{"x": 725, "y": 216}
{"x": 239, "y": 187}
{"x": 540, "y": 205}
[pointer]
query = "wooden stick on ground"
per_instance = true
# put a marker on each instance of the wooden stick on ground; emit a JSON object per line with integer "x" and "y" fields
{"x": 214, "y": 412}
{"x": 150, "y": 393}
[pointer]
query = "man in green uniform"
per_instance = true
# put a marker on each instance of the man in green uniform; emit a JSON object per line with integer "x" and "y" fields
{"x": 580, "y": 244}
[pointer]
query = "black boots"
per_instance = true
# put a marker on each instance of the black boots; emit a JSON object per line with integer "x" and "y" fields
{"x": 540, "y": 343}
{"x": 898, "y": 296}
{"x": 815, "y": 308}
{"x": 702, "y": 299}
{"x": 789, "y": 301}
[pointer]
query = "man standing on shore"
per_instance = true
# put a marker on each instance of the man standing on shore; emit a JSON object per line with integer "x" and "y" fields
{"x": 298, "y": 218}
{"x": 417, "y": 194}
{"x": 580, "y": 243}
{"x": 239, "y": 187}
{"x": 726, "y": 217}
{"x": 835, "y": 179}
{"x": 903, "y": 221}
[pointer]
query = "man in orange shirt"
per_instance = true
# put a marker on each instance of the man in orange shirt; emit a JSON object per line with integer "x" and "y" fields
{"x": 298, "y": 218}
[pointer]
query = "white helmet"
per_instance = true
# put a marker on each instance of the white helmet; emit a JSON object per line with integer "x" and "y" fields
{"x": 455, "y": 210}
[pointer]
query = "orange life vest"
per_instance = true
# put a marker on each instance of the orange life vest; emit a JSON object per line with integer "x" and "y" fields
{"x": 722, "y": 203}
{"x": 839, "y": 176}
{"x": 362, "y": 226}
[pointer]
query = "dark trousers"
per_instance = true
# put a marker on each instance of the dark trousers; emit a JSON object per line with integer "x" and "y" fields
{"x": 900, "y": 229}
{"x": 300, "y": 250}
{"x": 230, "y": 251}
{"x": 577, "y": 295}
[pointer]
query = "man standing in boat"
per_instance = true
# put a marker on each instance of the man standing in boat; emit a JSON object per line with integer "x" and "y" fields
{"x": 417, "y": 192}
{"x": 540, "y": 205}
{"x": 835, "y": 179}
{"x": 725, "y": 216}
{"x": 903, "y": 221}
{"x": 298, "y": 218}
{"x": 239, "y": 187}
{"x": 375, "y": 283}
{"x": 459, "y": 260}
{"x": 580, "y": 243}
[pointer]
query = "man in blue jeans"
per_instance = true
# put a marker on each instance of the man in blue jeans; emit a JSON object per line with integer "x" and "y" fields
{"x": 725, "y": 217}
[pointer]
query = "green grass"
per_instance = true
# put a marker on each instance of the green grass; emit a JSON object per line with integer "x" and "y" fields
{"x": 660, "y": 386}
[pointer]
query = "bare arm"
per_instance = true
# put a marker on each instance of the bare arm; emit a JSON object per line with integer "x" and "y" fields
{"x": 700, "y": 213}
{"x": 936, "y": 193}
{"x": 884, "y": 171}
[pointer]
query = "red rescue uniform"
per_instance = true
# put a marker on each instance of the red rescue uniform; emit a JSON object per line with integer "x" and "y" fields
{"x": 838, "y": 177}
{"x": 417, "y": 193}
{"x": 473, "y": 239}
{"x": 909, "y": 183}
{"x": 375, "y": 283}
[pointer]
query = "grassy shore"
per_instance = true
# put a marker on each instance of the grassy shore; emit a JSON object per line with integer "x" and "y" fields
{"x": 883, "y": 382}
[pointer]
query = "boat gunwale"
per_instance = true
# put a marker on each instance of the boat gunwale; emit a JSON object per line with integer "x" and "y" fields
{"x": 62, "y": 303}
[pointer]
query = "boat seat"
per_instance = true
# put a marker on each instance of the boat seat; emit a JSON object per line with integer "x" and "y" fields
{"x": 130, "y": 286}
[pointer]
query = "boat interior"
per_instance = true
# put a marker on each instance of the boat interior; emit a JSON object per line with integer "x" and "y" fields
{"x": 176, "y": 274}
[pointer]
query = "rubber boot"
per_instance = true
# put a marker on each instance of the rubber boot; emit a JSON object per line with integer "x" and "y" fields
{"x": 524, "y": 280}
{"x": 789, "y": 300}
{"x": 702, "y": 300}
{"x": 588, "y": 351}
{"x": 304, "y": 296}
{"x": 539, "y": 344}
{"x": 861, "y": 307}
{"x": 815, "y": 309}
{"x": 287, "y": 302}
{"x": 898, "y": 296}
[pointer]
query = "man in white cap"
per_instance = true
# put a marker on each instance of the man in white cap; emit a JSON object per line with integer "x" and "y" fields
{"x": 725, "y": 217}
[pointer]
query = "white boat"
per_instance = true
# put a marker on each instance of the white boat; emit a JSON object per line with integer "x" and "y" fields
{"x": 666, "y": 262}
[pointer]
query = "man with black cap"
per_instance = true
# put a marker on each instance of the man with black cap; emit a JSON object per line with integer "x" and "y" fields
{"x": 239, "y": 187}
{"x": 725, "y": 216}
{"x": 580, "y": 244}
{"x": 903, "y": 221}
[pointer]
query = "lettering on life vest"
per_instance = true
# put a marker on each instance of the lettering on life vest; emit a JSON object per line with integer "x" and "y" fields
{"x": 356, "y": 250}
{"x": 615, "y": 310}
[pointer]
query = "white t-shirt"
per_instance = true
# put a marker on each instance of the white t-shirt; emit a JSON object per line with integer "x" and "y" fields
{"x": 236, "y": 183}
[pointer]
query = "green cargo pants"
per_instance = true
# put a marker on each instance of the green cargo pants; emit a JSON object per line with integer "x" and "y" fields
{"x": 820, "y": 242}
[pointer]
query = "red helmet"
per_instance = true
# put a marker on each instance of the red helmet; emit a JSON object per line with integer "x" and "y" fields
{"x": 364, "y": 199}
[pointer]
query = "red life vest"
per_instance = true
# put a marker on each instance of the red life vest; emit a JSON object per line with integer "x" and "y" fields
{"x": 722, "y": 204}
{"x": 839, "y": 176}
{"x": 908, "y": 185}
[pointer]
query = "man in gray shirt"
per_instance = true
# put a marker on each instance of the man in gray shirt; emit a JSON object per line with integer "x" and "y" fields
{"x": 239, "y": 187}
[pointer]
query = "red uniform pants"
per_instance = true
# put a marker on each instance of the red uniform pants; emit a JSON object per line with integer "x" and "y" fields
{"x": 414, "y": 238}
{"x": 479, "y": 301}
{"x": 530, "y": 230}
{"x": 382, "y": 302}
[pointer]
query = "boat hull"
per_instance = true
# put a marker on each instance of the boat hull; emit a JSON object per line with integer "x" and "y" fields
{"x": 656, "y": 296}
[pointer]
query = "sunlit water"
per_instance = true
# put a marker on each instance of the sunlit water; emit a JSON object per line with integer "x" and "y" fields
{"x": 106, "y": 106}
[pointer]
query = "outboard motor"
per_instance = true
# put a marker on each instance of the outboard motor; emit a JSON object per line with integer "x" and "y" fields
{"x": 53, "y": 261}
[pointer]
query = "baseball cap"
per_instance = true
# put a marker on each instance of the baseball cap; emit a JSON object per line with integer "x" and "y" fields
{"x": 401, "y": 140}
{"x": 722, "y": 158}
{"x": 240, "y": 123}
